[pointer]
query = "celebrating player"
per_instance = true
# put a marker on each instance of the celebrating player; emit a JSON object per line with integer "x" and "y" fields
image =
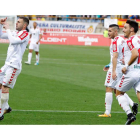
{"x": 116, "y": 55}
{"x": 12, "y": 68}
{"x": 131, "y": 72}
{"x": 35, "y": 36}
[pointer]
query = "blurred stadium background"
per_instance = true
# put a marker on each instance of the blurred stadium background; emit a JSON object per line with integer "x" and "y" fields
{"x": 67, "y": 87}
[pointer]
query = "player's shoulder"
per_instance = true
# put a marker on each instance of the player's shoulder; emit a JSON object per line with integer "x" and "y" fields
{"x": 133, "y": 39}
{"x": 118, "y": 40}
{"x": 23, "y": 34}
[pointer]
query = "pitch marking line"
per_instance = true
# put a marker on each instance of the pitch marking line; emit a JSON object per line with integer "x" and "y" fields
{"x": 63, "y": 111}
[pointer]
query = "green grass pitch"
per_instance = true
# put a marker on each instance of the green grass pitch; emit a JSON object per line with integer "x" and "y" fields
{"x": 67, "y": 87}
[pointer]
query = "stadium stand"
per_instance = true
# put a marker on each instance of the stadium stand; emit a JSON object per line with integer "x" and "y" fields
{"x": 83, "y": 18}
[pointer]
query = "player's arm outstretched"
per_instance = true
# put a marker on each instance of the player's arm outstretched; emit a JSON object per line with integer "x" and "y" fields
{"x": 3, "y": 35}
{"x": 15, "y": 40}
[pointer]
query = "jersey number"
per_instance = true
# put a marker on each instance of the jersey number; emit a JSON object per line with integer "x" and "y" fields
{"x": 139, "y": 56}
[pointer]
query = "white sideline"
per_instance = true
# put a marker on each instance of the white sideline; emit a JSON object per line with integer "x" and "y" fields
{"x": 64, "y": 111}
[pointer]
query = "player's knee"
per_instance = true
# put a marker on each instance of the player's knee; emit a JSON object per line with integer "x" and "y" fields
{"x": 30, "y": 51}
{"x": 5, "y": 89}
{"x": 36, "y": 53}
{"x": 109, "y": 89}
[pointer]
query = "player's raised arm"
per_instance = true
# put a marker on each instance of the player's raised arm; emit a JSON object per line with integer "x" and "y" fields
{"x": 20, "y": 38}
{"x": 2, "y": 35}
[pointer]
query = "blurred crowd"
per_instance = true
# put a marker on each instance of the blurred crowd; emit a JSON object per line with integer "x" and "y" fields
{"x": 80, "y": 18}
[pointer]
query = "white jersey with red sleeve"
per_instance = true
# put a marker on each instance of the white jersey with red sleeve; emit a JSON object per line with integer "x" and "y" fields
{"x": 117, "y": 45}
{"x": 35, "y": 35}
{"x": 17, "y": 46}
{"x": 131, "y": 43}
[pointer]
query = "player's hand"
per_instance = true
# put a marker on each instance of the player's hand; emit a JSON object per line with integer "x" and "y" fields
{"x": 37, "y": 42}
{"x": 114, "y": 76}
{"x": 6, "y": 26}
{"x": 122, "y": 61}
{"x": 105, "y": 68}
{"x": 2, "y": 21}
{"x": 124, "y": 70}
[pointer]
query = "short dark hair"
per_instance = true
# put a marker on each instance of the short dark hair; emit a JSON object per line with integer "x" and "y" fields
{"x": 133, "y": 24}
{"x": 25, "y": 20}
{"x": 114, "y": 25}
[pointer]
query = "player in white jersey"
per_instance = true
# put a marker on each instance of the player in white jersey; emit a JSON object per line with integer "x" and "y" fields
{"x": 12, "y": 68}
{"x": 35, "y": 36}
{"x": 131, "y": 71}
{"x": 116, "y": 46}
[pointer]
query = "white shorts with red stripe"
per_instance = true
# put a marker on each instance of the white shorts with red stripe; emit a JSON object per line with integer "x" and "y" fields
{"x": 8, "y": 76}
{"x": 34, "y": 46}
{"x": 109, "y": 82}
{"x": 129, "y": 80}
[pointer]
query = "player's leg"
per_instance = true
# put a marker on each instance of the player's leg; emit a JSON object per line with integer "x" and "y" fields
{"x": 123, "y": 102}
{"x": 30, "y": 54}
{"x": 2, "y": 73}
{"x": 37, "y": 58}
{"x": 9, "y": 80}
{"x": 108, "y": 100}
{"x": 108, "y": 95}
{"x": 0, "y": 98}
{"x": 125, "y": 84}
{"x": 119, "y": 76}
{"x": 4, "y": 98}
{"x": 37, "y": 54}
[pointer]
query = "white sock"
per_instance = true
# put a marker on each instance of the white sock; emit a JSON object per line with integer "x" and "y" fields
{"x": 7, "y": 106}
{"x": 108, "y": 102}
{"x": 123, "y": 102}
{"x": 4, "y": 101}
{"x": 0, "y": 102}
{"x": 29, "y": 57}
{"x": 129, "y": 100}
{"x": 37, "y": 58}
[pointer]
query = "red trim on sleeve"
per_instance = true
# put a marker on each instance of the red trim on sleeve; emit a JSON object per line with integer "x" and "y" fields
{"x": 130, "y": 44}
{"x": 115, "y": 44}
{"x": 23, "y": 35}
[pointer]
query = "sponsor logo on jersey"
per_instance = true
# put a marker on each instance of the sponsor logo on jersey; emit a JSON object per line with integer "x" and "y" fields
{"x": 136, "y": 67}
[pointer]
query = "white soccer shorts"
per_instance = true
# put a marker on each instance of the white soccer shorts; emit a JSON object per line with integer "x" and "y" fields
{"x": 34, "y": 46}
{"x": 109, "y": 82}
{"x": 8, "y": 76}
{"x": 128, "y": 81}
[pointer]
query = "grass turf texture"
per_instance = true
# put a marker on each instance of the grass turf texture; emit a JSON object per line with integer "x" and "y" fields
{"x": 68, "y": 78}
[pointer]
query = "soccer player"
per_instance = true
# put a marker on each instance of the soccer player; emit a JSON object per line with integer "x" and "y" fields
{"x": 131, "y": 70}
{"x": 35, "y": 36}
{"x": 118, "y": 55}
{"x": 12, "y": 68}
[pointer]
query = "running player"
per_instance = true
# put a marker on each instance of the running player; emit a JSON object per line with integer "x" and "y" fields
{"x": 109, "y": 82}
{"x": 131, "y": 72}
{"x": 35, "y": 36}
{"x": 12, "y": 68}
